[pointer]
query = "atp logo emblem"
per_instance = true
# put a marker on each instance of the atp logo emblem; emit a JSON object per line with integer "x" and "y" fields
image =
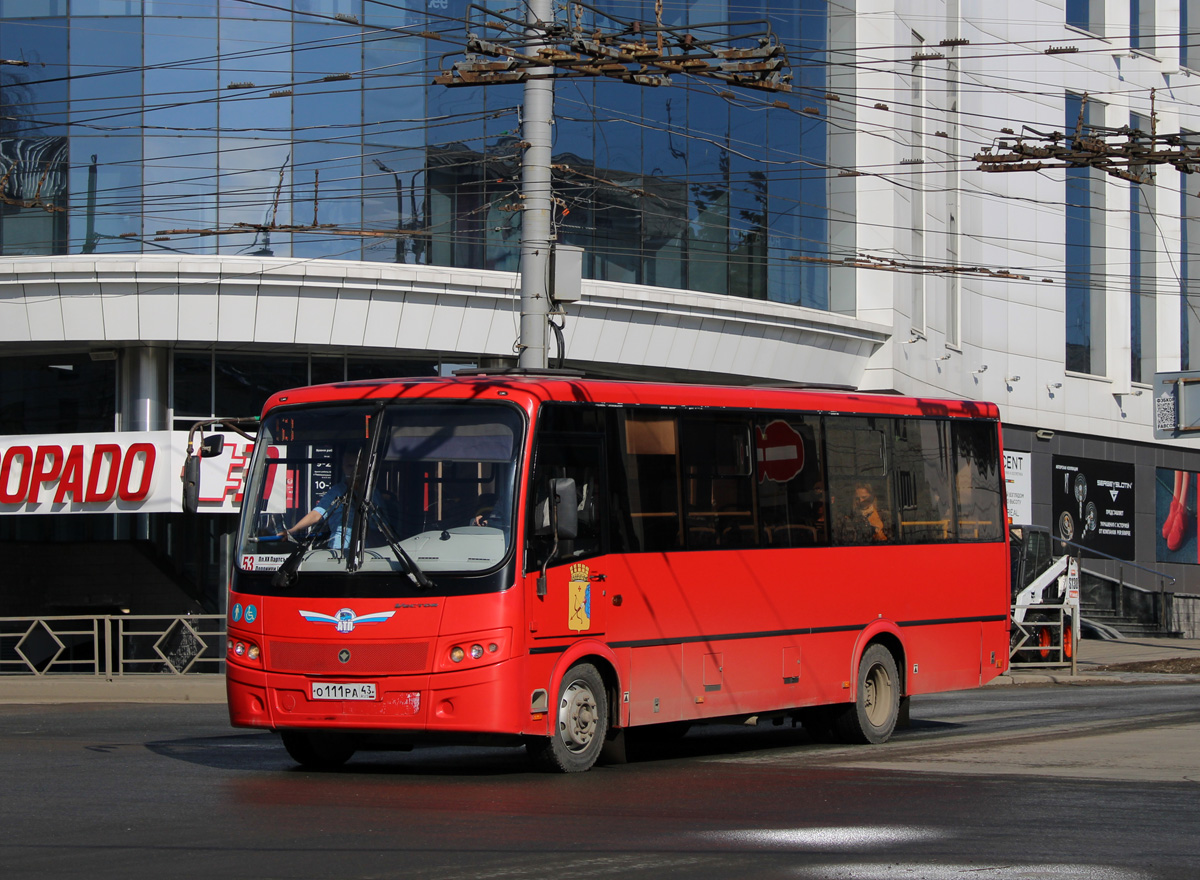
{"x": 345, "y": 620}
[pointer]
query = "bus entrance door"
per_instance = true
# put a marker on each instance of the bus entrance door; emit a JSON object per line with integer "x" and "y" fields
{"x": 574, "y": 604}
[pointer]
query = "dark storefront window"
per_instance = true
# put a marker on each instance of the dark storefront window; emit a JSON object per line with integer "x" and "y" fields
{"x": 47, "y": 394}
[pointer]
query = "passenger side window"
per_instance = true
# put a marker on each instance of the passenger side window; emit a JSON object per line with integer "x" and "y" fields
{"x": 858, "y": 451}
{"x": 924, "y": 488}
{"x": 718, "y": 496}
{"x": 791, "y": 481}
{"x": 649, "y": 447}
{"x": 977, "y": 478}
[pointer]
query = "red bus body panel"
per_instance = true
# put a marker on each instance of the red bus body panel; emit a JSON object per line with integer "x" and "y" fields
{"x": 679, "y": 635}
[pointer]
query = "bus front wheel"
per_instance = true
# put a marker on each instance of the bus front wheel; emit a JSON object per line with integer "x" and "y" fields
{"x": 872, "y": 717}
{"x": 580, "y": 723}
{"x": 317, "y": 750}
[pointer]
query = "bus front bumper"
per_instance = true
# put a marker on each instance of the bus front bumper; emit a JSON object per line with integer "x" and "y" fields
{"x": 485, "y": 699}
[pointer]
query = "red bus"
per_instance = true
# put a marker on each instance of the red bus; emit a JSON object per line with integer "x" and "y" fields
{"x": 556, "y": 561}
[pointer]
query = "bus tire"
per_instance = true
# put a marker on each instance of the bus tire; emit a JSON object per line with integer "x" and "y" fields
{"x": 871, "y": 718}
{"x": 580, "y": 723}
{"x": 318, "y": 750}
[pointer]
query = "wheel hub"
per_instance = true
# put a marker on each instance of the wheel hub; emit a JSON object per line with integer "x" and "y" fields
{"x": 577, "y": 717}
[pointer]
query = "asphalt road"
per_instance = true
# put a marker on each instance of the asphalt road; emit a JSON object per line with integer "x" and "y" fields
{"x": 1021, "y": 782}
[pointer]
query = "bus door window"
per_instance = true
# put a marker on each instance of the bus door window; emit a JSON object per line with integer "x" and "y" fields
{"x": 977, "y": 481}
{"x": 857, "y": 455}
{"x": 718, "y": 459}
{"x": 924, "y": 485}
{"x": 578, "y": 457}
{"x": 650, "y": 461}
{"x": 790, "y": 478}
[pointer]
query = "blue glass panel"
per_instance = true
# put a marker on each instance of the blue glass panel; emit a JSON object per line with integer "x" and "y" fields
{"x": 106, "y": 7}
{"x": 179, "y": 189}
{"x": 248, "y": 180}
{"x": 334, "y": 107}
{"x": 33, "y": 99}
{"x": 394, "y": 13}
{"x": 181, "y": 8}
{"x": 331, "y": 173}
{"x": 238, "y": 9}
{"x": 328, "y": 7}
{"x": 708, "y": 194}
{"x": 32, "y": 9}
{"x": 181, "y": 77}
{"x": 106, "y": 76}
{"x": 106, "y": 182}
{"x": 255, "y": 52}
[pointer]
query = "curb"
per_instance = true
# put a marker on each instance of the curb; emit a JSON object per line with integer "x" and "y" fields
{"x": 196, "y": 688}
{"x": 1027, "y": 678}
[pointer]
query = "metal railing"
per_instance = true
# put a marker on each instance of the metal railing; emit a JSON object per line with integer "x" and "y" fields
{"x": 113, "y": 645}
{"x": 1048, "y": 640}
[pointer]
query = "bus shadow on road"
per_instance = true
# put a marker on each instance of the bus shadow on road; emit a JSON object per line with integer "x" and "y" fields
{"x": 263, "y": 751}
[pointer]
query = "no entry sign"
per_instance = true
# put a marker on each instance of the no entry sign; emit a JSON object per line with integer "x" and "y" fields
{"x": 780, "y": 451}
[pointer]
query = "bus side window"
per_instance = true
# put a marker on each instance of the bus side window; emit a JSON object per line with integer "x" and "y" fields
{"x": 790, "y": 476}
{"x": 857, "y": 457}
{"x": 649, "y": 463}
{"x": 924, "y": 488}
{"x": 977, "y": 469}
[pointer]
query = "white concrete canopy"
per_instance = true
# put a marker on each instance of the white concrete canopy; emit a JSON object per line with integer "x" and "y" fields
{"x": 314, "y": 304}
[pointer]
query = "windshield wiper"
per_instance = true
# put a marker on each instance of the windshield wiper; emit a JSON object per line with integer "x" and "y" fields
{"x": 414, "y": 571}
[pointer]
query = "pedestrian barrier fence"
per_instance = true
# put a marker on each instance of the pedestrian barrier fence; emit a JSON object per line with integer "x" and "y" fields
{"x": 1046, "y": 637}
{"x": 113, "y": 645}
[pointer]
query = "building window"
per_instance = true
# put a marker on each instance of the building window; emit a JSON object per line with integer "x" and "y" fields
{"x": 1189, "y": 272}
{"x": 1087, "y": 15}
{"x": 51, "y": 394}
{"x": 1085, "y": 255}
{"x": 1189, "y": 42}
{"x": 1142, "y": 253}
{"x": 1141, "y": 25}
{"x": 916, "y": 192}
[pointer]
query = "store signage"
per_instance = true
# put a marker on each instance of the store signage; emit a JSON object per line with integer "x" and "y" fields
{"x": 1093, "y": 507}
{"x": 115, "y": 472}
{"x": 1018, "y": 484}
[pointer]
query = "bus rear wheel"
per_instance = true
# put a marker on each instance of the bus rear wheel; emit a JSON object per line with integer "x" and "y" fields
{"x": 872, "y": 717}
{"x": 318, "y": 750}
{"x": 580, "y": 723}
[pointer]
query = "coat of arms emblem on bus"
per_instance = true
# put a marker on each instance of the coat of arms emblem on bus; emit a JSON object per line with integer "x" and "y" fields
{"x": 579, "y": 599}
{"x": 345, "y": 620}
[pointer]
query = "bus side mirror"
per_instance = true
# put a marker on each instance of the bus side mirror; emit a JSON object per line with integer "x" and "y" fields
{"x": 566, "y": 508}
{"x": 212, "y": 445}
{"x": 191, "y": 483}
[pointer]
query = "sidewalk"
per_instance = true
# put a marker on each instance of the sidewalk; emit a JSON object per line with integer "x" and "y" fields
{"x": 1094, "y": 656}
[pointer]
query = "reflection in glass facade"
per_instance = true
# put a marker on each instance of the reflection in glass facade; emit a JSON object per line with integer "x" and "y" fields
{"x": 179, "y": 126}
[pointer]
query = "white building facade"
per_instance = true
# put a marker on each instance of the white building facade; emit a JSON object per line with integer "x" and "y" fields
{"x": 157, "y": 263}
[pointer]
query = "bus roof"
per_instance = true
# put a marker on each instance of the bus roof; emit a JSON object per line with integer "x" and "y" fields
{"x": 530, "y": 390}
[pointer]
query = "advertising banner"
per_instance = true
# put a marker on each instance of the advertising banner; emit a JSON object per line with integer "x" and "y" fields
{"x": 114, "y": 472}
{"x": 1093, "y": 504}
{"x": 1176, "y": 522}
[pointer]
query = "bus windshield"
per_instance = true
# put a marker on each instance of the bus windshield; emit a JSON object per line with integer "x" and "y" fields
{"x": 382, "y": 488}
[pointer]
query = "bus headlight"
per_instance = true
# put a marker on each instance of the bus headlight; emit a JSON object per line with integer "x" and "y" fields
{"x": 476, "y": 652}
{"x": 457, "y": 654}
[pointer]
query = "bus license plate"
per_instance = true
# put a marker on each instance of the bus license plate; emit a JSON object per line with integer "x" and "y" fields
{"x": 345, "y": 690}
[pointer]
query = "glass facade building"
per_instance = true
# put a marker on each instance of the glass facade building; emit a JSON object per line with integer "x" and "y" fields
{"x": 235, "y": 127}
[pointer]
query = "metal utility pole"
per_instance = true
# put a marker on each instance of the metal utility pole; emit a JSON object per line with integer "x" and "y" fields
{"x": 536, "y": 198}
{"x": 634, "y": 53}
